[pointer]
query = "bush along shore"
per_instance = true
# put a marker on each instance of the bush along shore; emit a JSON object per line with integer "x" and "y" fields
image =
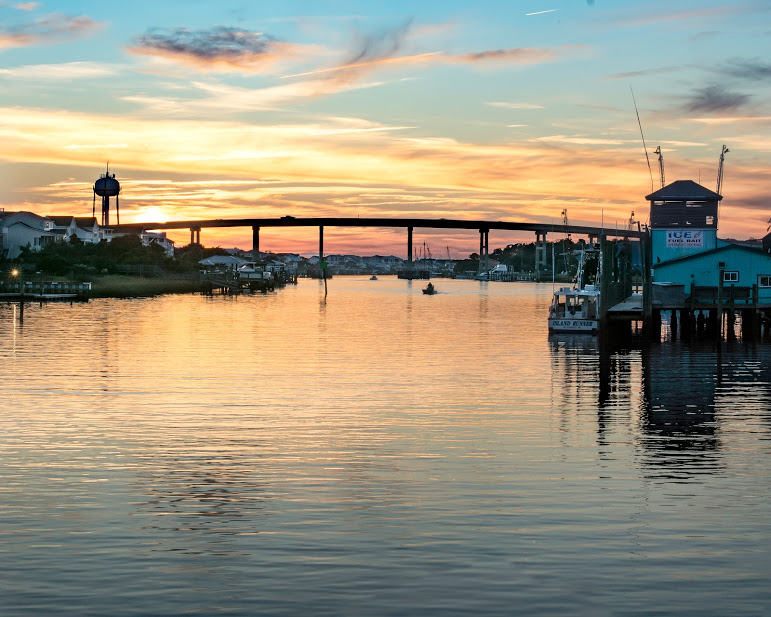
{"x": 122, "y": 268}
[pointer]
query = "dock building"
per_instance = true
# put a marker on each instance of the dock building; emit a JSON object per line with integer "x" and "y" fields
{"x": 705, "y": 283}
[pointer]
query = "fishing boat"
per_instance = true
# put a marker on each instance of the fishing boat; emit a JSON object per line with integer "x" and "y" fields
{"x": 576, "y": 309}
{"x": 430, "y": 290}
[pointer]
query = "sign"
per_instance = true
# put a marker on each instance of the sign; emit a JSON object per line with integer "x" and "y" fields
{"x": 685, "y": 238}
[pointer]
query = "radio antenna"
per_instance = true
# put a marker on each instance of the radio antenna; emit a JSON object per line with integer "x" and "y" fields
{"x": 650, "y": 171}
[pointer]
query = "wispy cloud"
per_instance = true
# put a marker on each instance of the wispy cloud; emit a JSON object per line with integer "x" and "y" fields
{"x": 661, "y": 17}
{"x": 64, "y": 71}
{"x": 581, "y": 140}
{"x": 27, "y": 6}
{"x": 712, "y": 99}
{"x": 751, "y": 69}
{"x": 514, "y": 105}
{"x": 644, "y": 72}
{"x": 519, "y": 56}
{"x": 47, "y": 30}
{"x": 218, "y": 49}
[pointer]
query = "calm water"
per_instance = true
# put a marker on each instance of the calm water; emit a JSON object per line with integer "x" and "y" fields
{"x": 380, "y": 453}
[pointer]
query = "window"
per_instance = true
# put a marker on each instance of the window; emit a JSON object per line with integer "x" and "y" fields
{"x": 730, "y": 277}
{"x": 764, "y": 280}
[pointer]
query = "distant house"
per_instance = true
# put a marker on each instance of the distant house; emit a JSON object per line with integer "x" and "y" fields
{"x": 767, "y": 243}
{"x": 158, "y": 238}
{"x": 20, "y": 229}
{"x": 85, "y": 229}
{"x": 223, "y": 262}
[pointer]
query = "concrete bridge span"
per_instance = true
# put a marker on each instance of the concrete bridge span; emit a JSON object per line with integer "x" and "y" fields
{"x": 484, "y": 227}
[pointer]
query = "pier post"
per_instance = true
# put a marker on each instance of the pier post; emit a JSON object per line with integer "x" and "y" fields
{"x": 656, "y": 325}
{"x": 673, "y": 324}
{"x": 256, "y": 242}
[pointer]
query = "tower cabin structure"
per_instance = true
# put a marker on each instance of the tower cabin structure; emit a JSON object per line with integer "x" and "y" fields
{"x": 683, "y": 221}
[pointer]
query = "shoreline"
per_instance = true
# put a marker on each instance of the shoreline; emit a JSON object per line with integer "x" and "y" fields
{"x": 126, "y": 286}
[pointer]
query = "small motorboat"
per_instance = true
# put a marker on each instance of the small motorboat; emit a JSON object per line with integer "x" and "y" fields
{"x": 430, "y": 290}
{"x": 373, "y": 278}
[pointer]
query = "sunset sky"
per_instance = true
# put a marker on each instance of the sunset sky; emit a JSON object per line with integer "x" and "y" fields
{"x": 476, "y": 110}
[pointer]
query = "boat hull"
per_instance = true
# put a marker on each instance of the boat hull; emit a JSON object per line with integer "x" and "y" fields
{"x": 582, "y": 326}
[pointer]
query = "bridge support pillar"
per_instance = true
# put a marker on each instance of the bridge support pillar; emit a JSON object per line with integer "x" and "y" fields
{"x": 409, "y": 247}
{"x": 540, "y": 250}
{"x": 484, "y": 250}
{"x": 321, "y": 246}
{"x": 195, "y": 235}
{"x": 256, "y": 242}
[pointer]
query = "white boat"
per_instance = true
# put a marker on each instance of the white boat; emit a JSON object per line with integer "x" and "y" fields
{"x": 577, "y": 309}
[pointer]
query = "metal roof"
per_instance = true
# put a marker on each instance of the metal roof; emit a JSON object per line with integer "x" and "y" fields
{"x": 684, "y": 190}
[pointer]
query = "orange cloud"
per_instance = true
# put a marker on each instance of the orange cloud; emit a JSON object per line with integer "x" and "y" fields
{"x": 49, "y": 29}
{"x": 340, "y": 167}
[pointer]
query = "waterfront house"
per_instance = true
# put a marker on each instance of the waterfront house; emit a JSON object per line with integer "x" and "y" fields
{"x": 686, "y": 250}
{"x": 698, "y": 275}
{"x": 158, "y": 238}
{"x": 223, "y": 263}
{"x": 20, "y": 229}
{"x": 85, "y": 229}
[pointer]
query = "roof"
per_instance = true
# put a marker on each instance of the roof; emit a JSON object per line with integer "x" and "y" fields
{"x": 217, "y": 260}
{"x": 62, "y": 221}
{"x": 729, "y": 247}
{"x": 684, "y": 190}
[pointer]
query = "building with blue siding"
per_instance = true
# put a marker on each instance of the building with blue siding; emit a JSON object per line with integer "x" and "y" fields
{"x": 696, "y": 274}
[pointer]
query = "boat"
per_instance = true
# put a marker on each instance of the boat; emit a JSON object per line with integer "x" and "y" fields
{"x": 430, "y": 290}
{"x": 577, "y": 309}
{"x": 373, "y": 278}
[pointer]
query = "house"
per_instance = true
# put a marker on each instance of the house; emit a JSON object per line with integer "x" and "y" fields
{"x": 221, "y": 263}
{"x": 687, "y": 253}
{"x": 158, "y": 238}
{"x": 85, "y": 229}
{"x": 730, "y": 266}
{"x": 20, "y": 229}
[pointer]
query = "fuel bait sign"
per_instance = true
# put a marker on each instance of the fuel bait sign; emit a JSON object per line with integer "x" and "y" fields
{"x": 685, "y": 238}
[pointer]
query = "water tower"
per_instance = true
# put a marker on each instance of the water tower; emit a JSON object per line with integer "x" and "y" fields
{"x": 107, "y": 186}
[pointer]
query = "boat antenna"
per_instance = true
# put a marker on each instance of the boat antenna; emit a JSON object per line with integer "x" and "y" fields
{"x": 650, "y": 171}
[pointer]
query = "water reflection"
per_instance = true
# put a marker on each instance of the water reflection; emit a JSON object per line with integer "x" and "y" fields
{"x": 683, "y": 394}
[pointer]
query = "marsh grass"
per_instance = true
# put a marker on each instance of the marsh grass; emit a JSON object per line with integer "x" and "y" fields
{"x": 122, "y": 286}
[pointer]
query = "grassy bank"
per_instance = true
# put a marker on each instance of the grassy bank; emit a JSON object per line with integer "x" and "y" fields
{"x": 122, "y": 286}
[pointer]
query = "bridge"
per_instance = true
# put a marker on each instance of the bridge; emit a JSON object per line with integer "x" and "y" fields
{"x": 484, "y": 228}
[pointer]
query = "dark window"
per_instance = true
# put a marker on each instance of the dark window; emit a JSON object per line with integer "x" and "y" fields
{"x": 730, "y": 277}
{"x": 764, "y": 280}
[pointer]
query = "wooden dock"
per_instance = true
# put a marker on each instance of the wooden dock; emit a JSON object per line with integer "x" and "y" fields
{"x": 44, "y": 291}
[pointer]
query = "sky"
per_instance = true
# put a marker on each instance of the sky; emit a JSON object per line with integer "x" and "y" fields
{"x": 495, "y": 110}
